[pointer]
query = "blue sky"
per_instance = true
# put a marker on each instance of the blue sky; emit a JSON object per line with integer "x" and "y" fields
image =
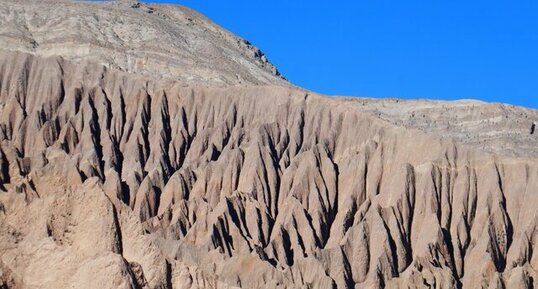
{"x": 410, "y": 49}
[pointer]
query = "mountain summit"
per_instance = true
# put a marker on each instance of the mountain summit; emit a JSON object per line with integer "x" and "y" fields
{"x": 160, "y": 41}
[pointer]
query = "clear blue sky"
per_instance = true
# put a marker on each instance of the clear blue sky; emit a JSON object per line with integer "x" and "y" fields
{"x": 448, "y": 49}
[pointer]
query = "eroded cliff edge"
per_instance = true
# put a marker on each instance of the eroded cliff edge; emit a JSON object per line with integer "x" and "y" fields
{"x": 113, "y": 180}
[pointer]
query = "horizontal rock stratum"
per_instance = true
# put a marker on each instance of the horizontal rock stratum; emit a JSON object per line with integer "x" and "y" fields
{"x": 117, "y": 178}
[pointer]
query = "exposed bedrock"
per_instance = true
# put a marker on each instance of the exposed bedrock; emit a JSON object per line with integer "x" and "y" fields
{"x": 116, "y": 181}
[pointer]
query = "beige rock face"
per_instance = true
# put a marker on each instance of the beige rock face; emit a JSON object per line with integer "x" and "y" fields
{"x": 497, "y": 128}
{"x": 111, "y": 179}
{"x": 156, "y": 40}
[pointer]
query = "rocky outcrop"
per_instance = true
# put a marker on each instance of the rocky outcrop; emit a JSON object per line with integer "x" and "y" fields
{"x": 497, "y": 128}
{"x": 114, "y": 180}
{"x": 159, "y": 41}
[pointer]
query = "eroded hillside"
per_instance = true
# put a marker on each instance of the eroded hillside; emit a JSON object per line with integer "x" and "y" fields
{"x": 116, "y": 181}
{"x": 143, "y": 146}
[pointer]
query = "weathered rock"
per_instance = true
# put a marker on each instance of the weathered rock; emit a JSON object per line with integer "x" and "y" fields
{"x": 111, "y": 179}
{"x": 161, "y": 41}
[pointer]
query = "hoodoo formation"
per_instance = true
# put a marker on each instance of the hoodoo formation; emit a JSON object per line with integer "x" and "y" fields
{"x": 128, "y": 159}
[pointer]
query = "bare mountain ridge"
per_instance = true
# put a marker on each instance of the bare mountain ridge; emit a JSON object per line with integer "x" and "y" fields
{"x": 180, "y": 44}
{"x": 159, "y": 41}
{"x": 112, "y": 179}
